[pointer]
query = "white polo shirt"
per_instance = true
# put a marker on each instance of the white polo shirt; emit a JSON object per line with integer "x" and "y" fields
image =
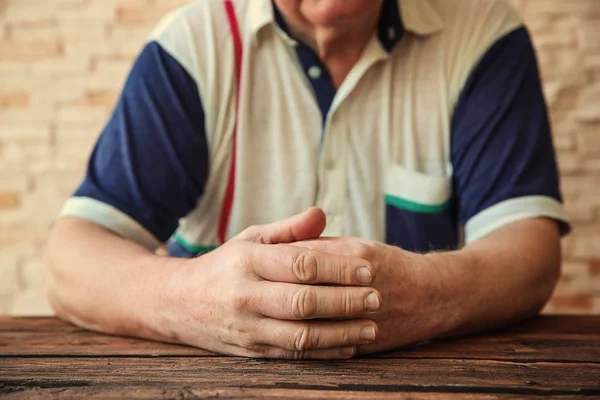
{"x": 438, "y": 135}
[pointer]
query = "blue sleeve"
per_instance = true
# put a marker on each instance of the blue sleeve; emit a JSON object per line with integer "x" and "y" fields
{"x": 501, "y": 144}
{"x": 151, "y": 161}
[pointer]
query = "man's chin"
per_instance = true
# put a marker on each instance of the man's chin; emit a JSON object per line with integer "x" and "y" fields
{"x": 336, "y": 12}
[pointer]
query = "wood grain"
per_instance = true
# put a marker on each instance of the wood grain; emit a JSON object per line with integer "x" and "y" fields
{"x": 197, "y": 392}
{"x": 85, "y": 343}
{"x": 36, "y": 324}
{"x": 367, "y": 375}
{"x": 548, "y": 356}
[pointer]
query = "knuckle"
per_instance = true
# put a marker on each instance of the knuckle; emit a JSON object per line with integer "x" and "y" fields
{"x": 338, "y": 271}
{"x": 363, "y": 250}
{"x": 254, "y": 233}
{"x": 370, "y": 245}
{"x": 263, "y": 352}
{"x": 245, "y": 352}
{"x": 303, "y": 339}
{"x": 282, "y": 338}
{"x": 240, "y": 254}
{"x": 242, "y": 302}
{"x": 271, "y": 353}
{"x": 304, "y": 303}
{"x": 348, "y": 303}
{"x": 247, "y": 233}
{"x": 345, "y": 337}
{"x": 253, "y": 228}
{"x": 304, "y": 266}
{"x": 261, "y": 238}
{"x": 247, "y": 335}
{"x": 246, "y": 342}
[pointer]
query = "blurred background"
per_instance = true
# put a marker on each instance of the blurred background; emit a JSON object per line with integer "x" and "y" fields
{"x": 63, "y": 62}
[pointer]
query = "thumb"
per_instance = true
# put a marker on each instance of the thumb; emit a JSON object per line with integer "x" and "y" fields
{"x": 309, "y": 224}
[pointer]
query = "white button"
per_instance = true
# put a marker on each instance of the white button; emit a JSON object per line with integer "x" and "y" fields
{"x": 314, "y": 72}
{"x": 391, "y": 33}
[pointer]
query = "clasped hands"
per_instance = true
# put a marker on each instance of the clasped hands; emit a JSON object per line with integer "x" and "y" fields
{"x": 279, "y": 291}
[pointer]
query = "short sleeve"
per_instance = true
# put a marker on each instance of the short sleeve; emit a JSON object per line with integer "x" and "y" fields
{"x": 149, "y": 166}
{"x": 503, "y": 159}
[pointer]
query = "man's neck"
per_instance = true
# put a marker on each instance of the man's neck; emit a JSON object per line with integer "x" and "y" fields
{"x": 338, "y": 47}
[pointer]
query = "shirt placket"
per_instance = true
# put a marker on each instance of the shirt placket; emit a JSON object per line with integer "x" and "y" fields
{"x": 332, "y": 175}
{"x": 333, "y": 159}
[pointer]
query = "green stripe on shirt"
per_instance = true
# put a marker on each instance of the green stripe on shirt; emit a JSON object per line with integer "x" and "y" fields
{"x": 415, "y": 207}
{"x": 194, "y": 248}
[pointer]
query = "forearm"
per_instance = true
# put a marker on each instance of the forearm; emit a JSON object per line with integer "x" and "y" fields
{"x": 503, "y": 278}
{"x": 102, "y": 282}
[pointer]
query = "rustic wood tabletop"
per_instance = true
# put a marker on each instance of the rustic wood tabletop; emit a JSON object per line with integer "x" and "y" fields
{"x": 548, "y": 356}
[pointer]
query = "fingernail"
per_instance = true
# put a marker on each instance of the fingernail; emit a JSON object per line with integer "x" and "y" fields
{"x": 368, "y": 333}
{"x": 372, "y": 302}
{"x": 364, "y": 275}
{"x": 348, "y": 351}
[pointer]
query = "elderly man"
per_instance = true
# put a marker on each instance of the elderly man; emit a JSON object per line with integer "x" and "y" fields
{"x": 332, "y": 177}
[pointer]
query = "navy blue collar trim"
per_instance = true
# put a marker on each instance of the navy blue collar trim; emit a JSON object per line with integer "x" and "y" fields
{"x": 391, "y": 28}
{"x": 279, "y": 19}
{"x": 389, "y": 32}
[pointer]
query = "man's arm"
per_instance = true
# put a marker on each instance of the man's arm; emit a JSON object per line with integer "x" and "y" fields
{"x": 502, "y": 278}
{"x": 100, "y": 281}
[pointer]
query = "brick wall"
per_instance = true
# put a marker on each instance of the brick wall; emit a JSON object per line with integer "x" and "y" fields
{"x": 62, "y": 63}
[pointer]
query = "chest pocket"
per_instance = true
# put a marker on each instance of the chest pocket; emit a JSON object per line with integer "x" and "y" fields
{"x": 421, "y": 213}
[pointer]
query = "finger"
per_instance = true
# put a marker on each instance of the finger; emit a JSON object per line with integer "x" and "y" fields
{"x": 257, "y": 350}
{"x": 304, "y": 226}
{"x": 340, "y": 353}
{"x": 297, "y": 302}
{"x": 295, "y": 265}
{"x": 305, "y": 336}
{"x": 338, "y": 246}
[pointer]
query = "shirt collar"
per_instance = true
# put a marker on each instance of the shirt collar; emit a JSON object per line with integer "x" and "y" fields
{"x": 261, "y": 14}
{"x": 418, "y": 17}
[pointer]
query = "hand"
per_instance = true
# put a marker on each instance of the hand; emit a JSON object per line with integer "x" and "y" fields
{"x": 256, "y": 296}
{"x": 412, "y": 310}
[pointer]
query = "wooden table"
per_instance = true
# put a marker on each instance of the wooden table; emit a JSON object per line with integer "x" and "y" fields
{"x": 549, "y": 356}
